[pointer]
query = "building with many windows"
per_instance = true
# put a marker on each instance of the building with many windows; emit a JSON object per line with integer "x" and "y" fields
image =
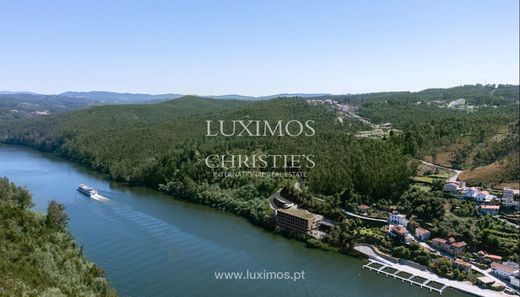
{"x": 396, "y": 218}
{"x": 504, "y": 270}
{"x": 298, "y": 220}
{"x": 450, "y": 246}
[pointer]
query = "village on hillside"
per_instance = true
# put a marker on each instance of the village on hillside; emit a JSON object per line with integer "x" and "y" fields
{"x": 489, "y": 272}
{"x": 453, "y": 261}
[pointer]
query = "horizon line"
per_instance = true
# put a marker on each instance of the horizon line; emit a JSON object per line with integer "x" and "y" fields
{"x": 255, "y": 96}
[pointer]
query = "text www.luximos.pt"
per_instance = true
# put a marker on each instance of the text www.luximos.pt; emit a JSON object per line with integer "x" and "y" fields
{"x": 260, "y": 275}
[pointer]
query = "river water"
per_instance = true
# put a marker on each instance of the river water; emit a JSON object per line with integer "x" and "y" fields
{"x": 152, "y": 245}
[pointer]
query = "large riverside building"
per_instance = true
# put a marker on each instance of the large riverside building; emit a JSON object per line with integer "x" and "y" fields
{"x": 298, "y": 220}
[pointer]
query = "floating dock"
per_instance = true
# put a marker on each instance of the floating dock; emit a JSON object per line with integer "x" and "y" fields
{"x": 404, "y": 276}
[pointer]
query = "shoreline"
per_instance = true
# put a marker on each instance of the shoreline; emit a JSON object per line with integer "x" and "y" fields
{"x": 353, "y": 252}
{"x": 375, "y": 256}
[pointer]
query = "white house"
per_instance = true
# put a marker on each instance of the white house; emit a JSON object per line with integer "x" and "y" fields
{"x": 504, "y": 271}
{"x": 471, "y": 192}
{"x": 457, "y": 103}
{"x": 397, "y": 219}
{"x": 484, "y": 196}
{"x": 422, "y": 234}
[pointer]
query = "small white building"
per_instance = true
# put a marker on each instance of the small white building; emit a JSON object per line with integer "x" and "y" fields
{"x": 422, "y": 234}
{"x": 396, "y": 218}
{"x": 470, "y": 192}
{"x": 504, "y": 271}
{"x": 484, "y": 196}
{"x": 514, "y": 281}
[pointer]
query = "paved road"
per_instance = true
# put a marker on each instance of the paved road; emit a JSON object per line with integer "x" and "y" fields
{"x": 363, "y": 217}
{"x": 452, "y": 178}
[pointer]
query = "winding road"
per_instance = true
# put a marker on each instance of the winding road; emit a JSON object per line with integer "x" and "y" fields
{"x": 452, "y": 178}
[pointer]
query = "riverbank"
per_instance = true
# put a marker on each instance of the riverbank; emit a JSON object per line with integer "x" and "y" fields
{"x": 394, "y": 267}
{"x": 38, "y": 256}
{"x": 266, "y": 222}
{"x": 152, "y": 245}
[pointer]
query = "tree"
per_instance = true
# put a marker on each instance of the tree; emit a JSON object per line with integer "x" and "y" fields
{"x": 437, "y": 184}
{"x": 56, "y": 217}
{"x": 24, "y": 199}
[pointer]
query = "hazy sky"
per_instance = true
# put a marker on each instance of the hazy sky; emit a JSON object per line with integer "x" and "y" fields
{"x": 256, "y": 47}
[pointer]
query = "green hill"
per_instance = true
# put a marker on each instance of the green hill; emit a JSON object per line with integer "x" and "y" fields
{"x": 116, "y": 116}
{"x": 164, "y": 146}
{"x": 38, "y": 256}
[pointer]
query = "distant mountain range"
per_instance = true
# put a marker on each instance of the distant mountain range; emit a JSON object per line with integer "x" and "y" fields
{"x": 113, "y": 97}
{"x": 16, "y": 92}
{"x": 241, "y": 97}
{"x": 19, "y": 105}
{"x": 103, "y": 97}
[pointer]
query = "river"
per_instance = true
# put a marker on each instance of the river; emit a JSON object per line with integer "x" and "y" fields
{"x": 152, "y": 245}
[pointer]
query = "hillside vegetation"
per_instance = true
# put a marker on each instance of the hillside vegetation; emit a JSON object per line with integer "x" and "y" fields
{"x": 164, "y": 146}
{"x": 168, "y": 152}
{"x": 457, "y": 138}
{"x": 38, "y": 256}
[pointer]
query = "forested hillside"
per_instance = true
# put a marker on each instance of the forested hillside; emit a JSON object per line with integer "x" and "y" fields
{"x": 168, "y": 151}
{"x": 23, "y": 106}
{"x": 38, "y": 256}
{"x": 481, "y": 132}
{"x": 164, "y": 145}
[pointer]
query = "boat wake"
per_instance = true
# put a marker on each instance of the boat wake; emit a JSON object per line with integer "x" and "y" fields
{"x": 99, "y": 197}
{"x": 92, "y": 193}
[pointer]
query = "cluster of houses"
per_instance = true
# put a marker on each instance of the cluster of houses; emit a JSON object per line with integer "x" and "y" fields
{"x": 346, "y": 110}
{"x": 488, "y": 203}
{"x": 397, "y": 227}
{"x": 340, "y": 107}
{"x": 507, "y": 271}
{"x": 450, "y": 246}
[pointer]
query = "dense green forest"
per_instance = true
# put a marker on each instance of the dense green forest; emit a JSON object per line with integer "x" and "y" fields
{"x": 38, "y": 256}
{"x": 457, "y": 138}
{"x": 475, "y": 94}
{"x": 164, "y": 146}
{"x": 147, "y": 145}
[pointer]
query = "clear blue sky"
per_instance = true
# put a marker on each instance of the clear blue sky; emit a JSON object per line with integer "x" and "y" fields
{"x": 256, "y": 47}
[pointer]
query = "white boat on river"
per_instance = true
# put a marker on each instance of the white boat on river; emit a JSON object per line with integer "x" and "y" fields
{"x": 91, "y": 192}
